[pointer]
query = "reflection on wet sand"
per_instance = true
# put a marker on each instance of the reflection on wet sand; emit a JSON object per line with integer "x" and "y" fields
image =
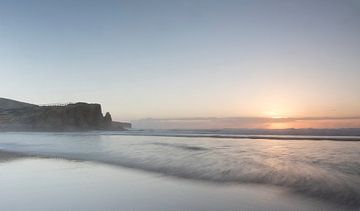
{"x": 55, "y": 184}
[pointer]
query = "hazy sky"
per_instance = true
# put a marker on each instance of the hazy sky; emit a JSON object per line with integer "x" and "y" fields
{"x": 176, "y": 59}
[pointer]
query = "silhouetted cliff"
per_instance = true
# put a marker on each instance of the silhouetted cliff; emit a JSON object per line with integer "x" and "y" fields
{"x": 71, "y": 117}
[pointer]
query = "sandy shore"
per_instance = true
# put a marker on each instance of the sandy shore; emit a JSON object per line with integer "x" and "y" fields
{"x": 33, "y": 183}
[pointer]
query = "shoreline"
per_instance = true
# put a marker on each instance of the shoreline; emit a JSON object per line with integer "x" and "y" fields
{"x": 43, "y": 184}
{"x": 222, "y": 162}
{"x": 218, "y": 136}
{"x": 8, "y": 156}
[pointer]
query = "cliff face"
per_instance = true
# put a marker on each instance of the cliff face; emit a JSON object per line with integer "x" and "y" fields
{"x": 72, "y": 117}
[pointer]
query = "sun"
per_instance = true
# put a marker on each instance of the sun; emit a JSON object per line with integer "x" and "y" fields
{"x": 275, "y": 114}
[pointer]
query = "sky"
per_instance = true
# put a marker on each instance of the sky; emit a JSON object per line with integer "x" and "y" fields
{"x": 185, "y": 59}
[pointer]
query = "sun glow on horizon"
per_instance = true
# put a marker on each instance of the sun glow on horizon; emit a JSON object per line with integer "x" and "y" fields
{"x": 276, "y": 114}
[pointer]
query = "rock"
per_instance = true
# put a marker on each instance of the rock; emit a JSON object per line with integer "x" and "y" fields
{"x": 107, "y": 121}
{"x": 120, "y": 125}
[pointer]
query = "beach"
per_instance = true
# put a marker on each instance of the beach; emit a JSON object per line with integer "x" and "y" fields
{"x": 113, "y": 171}
{"x": 31, "y": 183}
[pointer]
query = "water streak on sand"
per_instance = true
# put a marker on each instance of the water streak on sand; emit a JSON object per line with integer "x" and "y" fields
{"x": 328, "y": 170}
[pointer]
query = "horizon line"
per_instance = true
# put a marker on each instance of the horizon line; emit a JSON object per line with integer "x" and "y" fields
{"x": 251, "y": 117}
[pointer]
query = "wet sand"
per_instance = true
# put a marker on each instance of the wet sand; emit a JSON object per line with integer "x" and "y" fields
{"x": 31, "y": 183}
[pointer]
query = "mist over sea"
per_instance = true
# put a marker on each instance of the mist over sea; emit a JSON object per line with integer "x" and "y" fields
{"x": 325, "y": 170}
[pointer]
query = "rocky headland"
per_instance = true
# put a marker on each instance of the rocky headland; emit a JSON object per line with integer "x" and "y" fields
{"x": 19, "y": 116}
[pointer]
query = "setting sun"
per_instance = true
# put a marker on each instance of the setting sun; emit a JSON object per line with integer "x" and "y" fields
{"x": 276, "y": 114}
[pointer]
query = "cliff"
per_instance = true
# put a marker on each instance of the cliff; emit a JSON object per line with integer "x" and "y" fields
{"x": 71, "y": 117}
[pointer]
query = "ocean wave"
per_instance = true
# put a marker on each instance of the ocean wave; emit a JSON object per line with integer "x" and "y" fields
{"x": 324, "y": 170}
{"x": 180, "y": 146}
{"x": 311, "y": 181}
